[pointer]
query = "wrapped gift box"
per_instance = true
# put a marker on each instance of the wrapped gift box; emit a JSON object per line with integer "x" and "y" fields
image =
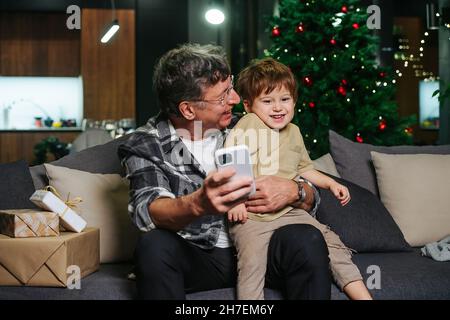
{"x": 70, "y": 220}
{"x": 24, "y": 223}
{"x": 48, "y": 261}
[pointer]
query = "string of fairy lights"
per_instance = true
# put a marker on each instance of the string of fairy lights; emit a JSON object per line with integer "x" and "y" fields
{"x": 414, "y": 59}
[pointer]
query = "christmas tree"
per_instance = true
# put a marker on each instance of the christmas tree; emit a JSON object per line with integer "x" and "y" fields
{"x": 331, "y": 51}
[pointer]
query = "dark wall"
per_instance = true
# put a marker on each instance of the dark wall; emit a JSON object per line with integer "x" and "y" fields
{"x": 444, "y": 74}
{"x": 408, "y": 8}
{"x": 61, "y": 5}
{"x": 160, "y": 26}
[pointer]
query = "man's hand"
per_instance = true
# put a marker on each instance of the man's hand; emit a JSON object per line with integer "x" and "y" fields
{"x": 219, "y": 194}
{"x": 272, "y": 194}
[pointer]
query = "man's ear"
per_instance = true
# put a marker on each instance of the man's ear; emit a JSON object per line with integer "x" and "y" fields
{"x": 246, "y": 104}
{"x": 187, "y": 110}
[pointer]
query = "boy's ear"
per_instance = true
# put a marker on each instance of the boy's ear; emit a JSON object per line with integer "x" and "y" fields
{"x": 187, "y": 110}
{"x": 246, "y": 104}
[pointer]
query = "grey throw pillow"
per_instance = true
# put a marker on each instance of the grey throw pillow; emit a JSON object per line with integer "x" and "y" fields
{"x": 16, "y": 186}
{"x": 364, "y": 224}
{"x": 98, "y": 159}
{"x": 354, "y": 163}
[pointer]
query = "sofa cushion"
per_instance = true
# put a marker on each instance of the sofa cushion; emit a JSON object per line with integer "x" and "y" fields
{"x": 415, "y": 189}
{"x": 364, "y": 224}
{"x": 326, "y": 164}
{"x": 402, "y": 275}
{"x": 104, "y": 206}
{"x": 99, "y": 159}
{"x": 109, "y": 283}
{"x": 16, "y": 186}
{"x": 405, "y": 275}
{"x": 353, "y": 161}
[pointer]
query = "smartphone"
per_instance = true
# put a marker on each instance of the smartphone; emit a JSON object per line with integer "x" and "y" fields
{"x": 237, "y": 157}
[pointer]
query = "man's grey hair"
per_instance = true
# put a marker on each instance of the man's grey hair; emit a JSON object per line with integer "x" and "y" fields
{"x": 183, "y": 73}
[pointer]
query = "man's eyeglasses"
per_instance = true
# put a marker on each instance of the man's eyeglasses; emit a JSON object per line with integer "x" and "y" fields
{"x": 222, "y": 100}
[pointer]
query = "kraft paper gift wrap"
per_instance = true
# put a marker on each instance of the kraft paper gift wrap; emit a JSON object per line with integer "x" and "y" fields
{"x": 46, "y": 261}
{"x": 69, "y": 219}
{"x": 24, "y": 223}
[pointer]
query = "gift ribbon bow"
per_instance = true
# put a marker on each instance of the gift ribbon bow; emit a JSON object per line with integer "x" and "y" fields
{"x": 70, "y": 203}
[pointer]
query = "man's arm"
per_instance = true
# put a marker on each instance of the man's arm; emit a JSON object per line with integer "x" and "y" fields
{"x": 308, "y": 203}
{"x": 274, "y": 193}
{"x": 152, "y": 201}
{"x": 217, "y": 196}
{"x": 313, "y": 202}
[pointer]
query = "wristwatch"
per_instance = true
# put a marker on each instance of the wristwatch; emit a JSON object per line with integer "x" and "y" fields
{"x": 301, "y": 190}
{"x": 302, "y": 194}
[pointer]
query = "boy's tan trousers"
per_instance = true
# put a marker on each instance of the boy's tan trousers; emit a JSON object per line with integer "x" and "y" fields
{"x": 251, "y": 240}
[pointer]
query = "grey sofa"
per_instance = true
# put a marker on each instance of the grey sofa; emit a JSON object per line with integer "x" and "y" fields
{"x": 404, "y": 275}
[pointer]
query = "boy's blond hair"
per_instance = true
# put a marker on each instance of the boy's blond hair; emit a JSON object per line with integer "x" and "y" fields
{"x": 265, "y": 74}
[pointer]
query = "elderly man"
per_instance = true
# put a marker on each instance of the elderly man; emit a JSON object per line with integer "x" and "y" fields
{"x": 181, "y": 201}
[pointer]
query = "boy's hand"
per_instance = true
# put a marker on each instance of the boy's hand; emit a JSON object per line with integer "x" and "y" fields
{"x": 341, "y": 193}
{"x": 238, "y": 213}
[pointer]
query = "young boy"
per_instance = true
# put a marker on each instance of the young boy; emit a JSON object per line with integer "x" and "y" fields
{"x": 269, "y": 93}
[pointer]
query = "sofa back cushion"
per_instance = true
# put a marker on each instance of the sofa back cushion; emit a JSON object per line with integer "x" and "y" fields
{"x": 16, "y": 186}
{"x": 326, "y": 164}
{"x": 99, "y": 159}
{"x": 415, "y": 189}
{"x": 104, "y": 206}
{"x": 364, "y": 224}
{"x": 354, "y": 163}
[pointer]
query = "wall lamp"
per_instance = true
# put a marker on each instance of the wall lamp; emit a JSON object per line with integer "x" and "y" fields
{"x": 113, "y": 26}
{"x": 214, "y": 14}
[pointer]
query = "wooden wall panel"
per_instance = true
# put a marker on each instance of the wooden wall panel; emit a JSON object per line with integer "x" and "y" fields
{"x": 19, "y": 145}
{"x": 38, "y": 44}
{"x": 407, "y": 95}
{"x": 108, "y": 70}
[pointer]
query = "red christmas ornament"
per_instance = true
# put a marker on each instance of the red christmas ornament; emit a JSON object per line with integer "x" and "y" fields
{"x": 300, "y": 28}
{"x": 344, "y": 82}
{"x": 382, "y": 125}
{"x": 344, "y": 9}
{"x": 341, "y": 90}
{"x": 307, "y": 81}
{"x": 276, "y": 32}
{"x": 382, "y": 74}
{"x": 333, "y": 42}
{"x": 312, "y": 104}
{"x": 355, "y": 26}
{"x": 359, "y": 138}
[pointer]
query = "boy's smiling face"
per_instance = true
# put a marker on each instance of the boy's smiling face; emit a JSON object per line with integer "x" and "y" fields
{"x": 275, "y": 109}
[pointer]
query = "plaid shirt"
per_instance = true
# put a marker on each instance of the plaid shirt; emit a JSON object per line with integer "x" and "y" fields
{"x": 158, "y": 164}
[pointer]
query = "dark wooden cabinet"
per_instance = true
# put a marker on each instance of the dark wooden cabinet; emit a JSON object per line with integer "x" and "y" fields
{"x": 108, "y": 70}
{"x": 38, "y": 44}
